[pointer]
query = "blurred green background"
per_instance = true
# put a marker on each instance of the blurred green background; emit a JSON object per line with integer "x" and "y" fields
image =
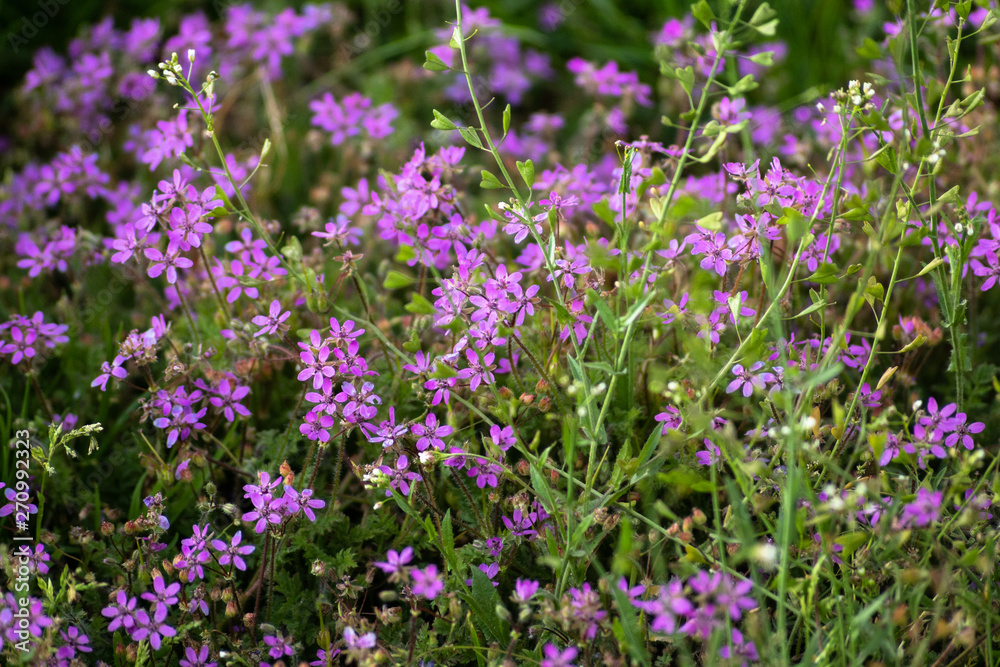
{"x": 815, "y": 30}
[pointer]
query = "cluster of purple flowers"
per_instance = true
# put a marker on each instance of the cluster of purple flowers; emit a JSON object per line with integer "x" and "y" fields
{"x": 353, "y": 116}
{"x": 138, "y": 347}
{"x": 144, "y": 624}
{"x": 22, "y": 623}
{"x": 27, "y": 339}
{"x": 508, "y": 68}
{"x": 273, "y": 510}
{"x": 704, "y": 604}
{"x": 424, "y": 582}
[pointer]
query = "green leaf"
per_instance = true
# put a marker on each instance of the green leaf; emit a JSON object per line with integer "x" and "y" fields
{"x": 874, "y": 291}
{"x": 484, "y": 600}
{"x": 293, "y": 251}
{"x": 628, "y": 626}
{"x": 869, "y": 49}
{"x": 744, "y": 85}
{"x": 434, "y": 62}
{"x": 711, "y": 222}
{"x": 686, "y": 76}
{"x": 598, "y": 302}
{"x": 405, "y": 253}
{"x": 603, "y": 211}
{"x": 541, "y": 486}
{"x": 396, "y": 279}
{"x": 470, "y": 136}
{"x": 442, "y": 122}
{"x": 933, "y": 264}
{"x": 811, "y": 309}
{"x": 491, "y": 182}
{"x": 420, "y": 305}
{"x": 762, "y": 15}
{"x": 701, "y": 11}
{"x": 448, "y": 540}
{"x": 826, "y": 274}
{"x": 527, "y": 171}
{"x": 796, "y": 224}
{"x": 768, "y": 29}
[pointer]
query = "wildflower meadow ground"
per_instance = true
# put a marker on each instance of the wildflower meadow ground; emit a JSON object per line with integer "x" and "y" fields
{"x": 561, "y": 334}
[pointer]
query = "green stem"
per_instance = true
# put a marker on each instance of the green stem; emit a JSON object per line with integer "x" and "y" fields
{"x": 215, "y": 287}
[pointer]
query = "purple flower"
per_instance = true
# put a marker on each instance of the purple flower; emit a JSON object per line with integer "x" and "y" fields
{"x": 316, "y": 426}
{"x": 325, "y": 658}
{"x": 169, "y": 261}
{"x": 746, "y": 378}
{"x": 280, "y": 646}
{"x": 163, "y": 596}
{"x": 963, "y": 432}
{"x": 556, "y": 658}
{"x": 665, "y": 609}
{"x": 524, "y": 590}
{"x": 358, "y": 643}
{"x": 233, "y": 552}
{"x": 198, "y": 658}
{"x": 431, "y": 433}
{"x": 710, "y": 455}
{"x": 478, "y": 371}
{"x": 227, "y": 402}
{"x": 395, "y": 561}
{"x": 520, "y": 523}
{"x": 503, "y": 437}
{"x": 937, "y": 422}
{"x": 121, "y": 612}
{"x": 485, "y": 474}
{"x": 399, "y": 477}
{"x": 925, "y": 510}
{"x": 491, "y": 570}
{"x": 75, "y": 641}
{"x": 427, "y": 582}
{"x": 152, "y": 627}
{"x": 670, "y": 417}
{"x": 743, "y": 651}
{"x": 269, "y": 323}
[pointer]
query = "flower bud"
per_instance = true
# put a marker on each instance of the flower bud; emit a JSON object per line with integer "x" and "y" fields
{"x": 544, "y": 404}
{"x": 523, "y": 468}
{"x": 131, "y": 652}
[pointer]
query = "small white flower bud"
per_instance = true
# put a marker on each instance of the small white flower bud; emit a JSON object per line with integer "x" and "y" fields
{"x": 190, "y": 55}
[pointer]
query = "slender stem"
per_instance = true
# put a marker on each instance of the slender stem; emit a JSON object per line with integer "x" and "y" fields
{"x": 187, "y": 311}
{"x": 215, "y": 287}
{"x": 541, "y": 371}
{"x": 468, "y": 496}
{"x": 337, "y": 469}
{"x": 291, "y": 422}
